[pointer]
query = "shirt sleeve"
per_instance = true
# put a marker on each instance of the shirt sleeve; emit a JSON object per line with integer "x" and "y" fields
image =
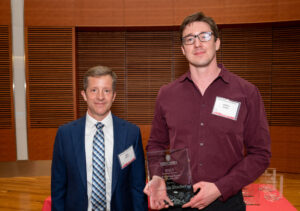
{"x": 257, "y": 147}
{"x": 159, "y": 136}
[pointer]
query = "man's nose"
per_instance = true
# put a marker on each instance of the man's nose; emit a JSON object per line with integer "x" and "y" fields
{"x": 100, "y": 94}
{"x": 197, "y": 42}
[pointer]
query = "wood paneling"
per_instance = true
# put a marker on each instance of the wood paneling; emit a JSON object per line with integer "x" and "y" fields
{"x": 49, "y": 13}
{"x": 154, "y": 12}
{"x": 247, "y": 51}
{"x": 99, "y": 12}
{"x": 5, "y": 12}
{"x": 7, "y": 145}
{"x": 145, "y": 131}
{"x": 237, "y": 12}
{"x": 149, "y": 66}
{"x": 7, "y": 126}
{"x": 148, "y": 12}
{"x": 6, "y": 109}
{"x": 49, "y": 77}
{"x": 50, "y": 85}
{"x": 101, "y": 48}
{"x": 285, "y": 105}
{"x": 285, "y": 145}
{"x": 142, "y": 60}
{"x": 40, "y": 143}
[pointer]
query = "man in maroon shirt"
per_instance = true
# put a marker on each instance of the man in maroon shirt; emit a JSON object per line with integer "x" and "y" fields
{"x": 217, "y": 116}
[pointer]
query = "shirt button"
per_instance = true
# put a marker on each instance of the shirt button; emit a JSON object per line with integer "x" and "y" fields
{"x": 203, "y": 105}
{"x": 200, "y": 164}
{"x": 201, "y": 144}
{"x": 202, "y": 124}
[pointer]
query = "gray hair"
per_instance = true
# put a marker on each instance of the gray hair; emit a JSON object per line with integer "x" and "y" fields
{"x": 98, "y": 71}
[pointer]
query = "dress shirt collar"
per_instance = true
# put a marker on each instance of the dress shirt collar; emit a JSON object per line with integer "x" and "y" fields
{"x": 223, "y": 75}
{"x": 91, "y": 122}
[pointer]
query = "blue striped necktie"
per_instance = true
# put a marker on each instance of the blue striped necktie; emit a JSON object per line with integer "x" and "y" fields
{"x": 98, "y": 198}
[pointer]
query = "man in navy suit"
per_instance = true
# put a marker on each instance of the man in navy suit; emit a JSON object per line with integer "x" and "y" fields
{"x": 72, "y": 168}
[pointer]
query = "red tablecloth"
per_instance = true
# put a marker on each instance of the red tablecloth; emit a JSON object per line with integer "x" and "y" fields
{"x": 263, "y": 204}
{"x": 47, "y": 204}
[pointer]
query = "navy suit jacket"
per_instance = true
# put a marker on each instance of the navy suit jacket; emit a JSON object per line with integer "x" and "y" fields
{"x": 68, "y": 173}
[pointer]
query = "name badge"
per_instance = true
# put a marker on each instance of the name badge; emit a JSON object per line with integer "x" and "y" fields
{"x": 226, "y": 108}
{"x": 127, "y": 157}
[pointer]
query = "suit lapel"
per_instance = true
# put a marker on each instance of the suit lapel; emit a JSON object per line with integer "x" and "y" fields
{"x": 78, "y": 138}
{"x": 119, "y": 143}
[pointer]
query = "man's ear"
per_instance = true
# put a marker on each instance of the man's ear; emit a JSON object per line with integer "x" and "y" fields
{"x": 114, "y": 95}
{"x": 182, "y": 49}
{"x": 83, "y": 94}
{"x": 218, "y": 43}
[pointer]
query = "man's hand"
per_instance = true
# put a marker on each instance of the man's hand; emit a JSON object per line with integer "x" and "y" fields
{"x": 157, "y": 193}
{"x": 207, "y": 194}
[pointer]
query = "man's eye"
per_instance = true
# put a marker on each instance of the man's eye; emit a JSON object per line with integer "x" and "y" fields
{"x": 205, "y": 36}
{"x": 189, "y": 39}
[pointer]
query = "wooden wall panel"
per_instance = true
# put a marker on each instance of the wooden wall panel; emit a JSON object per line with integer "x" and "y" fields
{"x": 40, "y": 143}
{"x": 155, "y": 12}
{"x": 145, "y": 132}
{"x": 49, "y": 12}
{"x": 149, "y": 66}
{"x": 287, "y": 10}
{"x": 285, "y": 147}
{"x": 50, "y": 85}
{"x": 285, "y": 103}
{"x": 5, "y": 12}
{"x": 247, "y": 52}
{"x": 6, "y": 94}
{"x": 237, "y": 12}
{"x": 7, "y": 126}
{"x": 7, "y": 122}
{"x": 142, "y": 60}
{"x": 99, "y": 12}
{"x": 148, "y": 12}
{"x": 101, "y": 48}
{"x": 7, "y": 145}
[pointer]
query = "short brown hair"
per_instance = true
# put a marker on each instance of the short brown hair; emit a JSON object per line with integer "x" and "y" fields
{"x": 199, "y": 16}
{"x": 98, "y": 71}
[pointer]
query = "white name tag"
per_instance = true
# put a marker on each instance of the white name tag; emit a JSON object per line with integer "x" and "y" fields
{"x": 226, "y": 108}
{"x": 127, "y": 157}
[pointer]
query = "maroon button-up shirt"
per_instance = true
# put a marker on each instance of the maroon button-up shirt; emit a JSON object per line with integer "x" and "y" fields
{"x": 183, "y": 119}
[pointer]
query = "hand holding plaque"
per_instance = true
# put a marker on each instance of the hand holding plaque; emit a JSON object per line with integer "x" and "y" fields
{"x": 156, "y": 190}
{"x": 169, "y": 177}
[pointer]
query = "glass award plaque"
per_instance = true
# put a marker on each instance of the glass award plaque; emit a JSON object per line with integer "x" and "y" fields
{"x": 172, "y": 176}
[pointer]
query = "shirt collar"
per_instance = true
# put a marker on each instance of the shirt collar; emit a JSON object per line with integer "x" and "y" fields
{"x": 91, "y": 122}
{"x": 185, "y": 76}
{"x": 224, "y": 75}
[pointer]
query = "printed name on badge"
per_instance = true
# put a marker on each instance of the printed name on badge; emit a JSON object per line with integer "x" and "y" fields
{"x": 226, "y": 108}
{"x": 126, "y": 157}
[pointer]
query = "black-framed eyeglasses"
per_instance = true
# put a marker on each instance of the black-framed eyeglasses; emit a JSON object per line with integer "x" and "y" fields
{"x": 203, "y": 37}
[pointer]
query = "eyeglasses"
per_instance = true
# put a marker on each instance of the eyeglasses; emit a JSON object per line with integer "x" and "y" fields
{"x": 203, "y": 37}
